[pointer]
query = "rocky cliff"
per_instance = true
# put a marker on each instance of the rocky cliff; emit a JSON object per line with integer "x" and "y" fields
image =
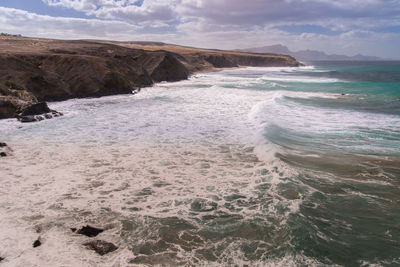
{"x": 33, "y": 70}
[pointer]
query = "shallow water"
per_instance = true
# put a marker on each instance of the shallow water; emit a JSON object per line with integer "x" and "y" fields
{"x": 257, "y": 166}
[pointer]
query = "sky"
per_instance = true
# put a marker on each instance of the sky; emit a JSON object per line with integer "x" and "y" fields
{"x": 349, "y": 27}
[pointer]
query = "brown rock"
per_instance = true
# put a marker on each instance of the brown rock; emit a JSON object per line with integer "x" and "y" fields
{"x": 8, "y": 107}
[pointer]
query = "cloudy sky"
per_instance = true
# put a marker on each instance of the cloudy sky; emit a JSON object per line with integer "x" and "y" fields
{"x": 369, "y": 27}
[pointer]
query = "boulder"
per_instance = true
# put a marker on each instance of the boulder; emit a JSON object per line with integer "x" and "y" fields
{"x": 37, "y": 243}
{"x": 101, "y": 247}
{"x": 4, "y": 150}
{"x": 1, "y": 259}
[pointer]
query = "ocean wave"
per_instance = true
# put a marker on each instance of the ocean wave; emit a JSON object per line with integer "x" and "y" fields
{"x": 343, "y": 129}
{"x": 299, "y": 79}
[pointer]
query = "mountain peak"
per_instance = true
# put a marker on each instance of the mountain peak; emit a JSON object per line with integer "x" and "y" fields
{"x": 308, "y": 55}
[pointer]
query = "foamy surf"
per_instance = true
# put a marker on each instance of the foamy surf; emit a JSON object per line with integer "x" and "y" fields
{"x": 299, "y": 79}
{"x": 179, "y": 152}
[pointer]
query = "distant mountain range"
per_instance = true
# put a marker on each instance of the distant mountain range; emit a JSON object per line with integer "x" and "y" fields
{"x": 308, "y": 55}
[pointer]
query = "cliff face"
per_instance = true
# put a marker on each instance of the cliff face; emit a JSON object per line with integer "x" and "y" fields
{"x": 165, "y": 66}
{"x": 33, "y": 70}
{"x": 236, "y": 60}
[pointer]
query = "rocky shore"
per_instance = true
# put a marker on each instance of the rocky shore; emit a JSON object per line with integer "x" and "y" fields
{"x": 35, "y": 70}
{"x": 99, "y": 246}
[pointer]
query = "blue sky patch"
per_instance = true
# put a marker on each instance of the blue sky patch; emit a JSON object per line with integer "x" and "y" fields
{"x": 38, "y": 7}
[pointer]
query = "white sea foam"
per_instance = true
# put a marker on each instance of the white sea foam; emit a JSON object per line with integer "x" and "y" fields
{"x": 282, "y": 109}
{"x": 150, "y": 154}
{"x": 271, "y": 69}
{"x": 299, "y": 79}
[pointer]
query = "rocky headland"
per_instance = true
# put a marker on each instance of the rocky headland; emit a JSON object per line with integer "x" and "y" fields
{"x": 34, "y": 70}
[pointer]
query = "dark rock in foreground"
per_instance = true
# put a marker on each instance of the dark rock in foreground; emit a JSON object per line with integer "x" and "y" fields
{"x": 37, "y": 243}
{"x": 101, "y": 247}
{"x": 1, "y": 259}
{"x": 3, "y": 146}
{"x": 89, "y": 231}
{"x": 37, "y": 112}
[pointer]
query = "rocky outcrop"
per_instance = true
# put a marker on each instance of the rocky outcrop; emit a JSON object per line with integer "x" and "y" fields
{"x": 35, "y": 109}
{"x": 12, "y": 107}
{"x": 35, "y": 70}
{"x": 13, "y": 98}
{"x": 36, "y": 112}
{"x": 8, "y": 107}
{"x": 60, "y": 77}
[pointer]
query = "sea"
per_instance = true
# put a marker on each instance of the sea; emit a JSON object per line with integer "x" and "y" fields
{"x": 277, "y": 166}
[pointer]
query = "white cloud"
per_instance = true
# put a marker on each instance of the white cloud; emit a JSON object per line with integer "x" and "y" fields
{"x": 239, "y": 12}
{"x": 126, "y": 10}
{"x": 31, "y": 24}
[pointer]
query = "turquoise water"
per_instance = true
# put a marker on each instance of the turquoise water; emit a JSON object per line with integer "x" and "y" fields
{"x": 354, "y": 216}
{"x": 243, "y": 167}
{"x": 347, "y": 150}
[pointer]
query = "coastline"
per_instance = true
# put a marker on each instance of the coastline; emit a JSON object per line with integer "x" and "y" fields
{"x": 34, "y": 70}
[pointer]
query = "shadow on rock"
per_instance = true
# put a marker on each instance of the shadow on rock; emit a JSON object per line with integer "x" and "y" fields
{"x": 89, "y": 231}
{"x": 101, "y": 247}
